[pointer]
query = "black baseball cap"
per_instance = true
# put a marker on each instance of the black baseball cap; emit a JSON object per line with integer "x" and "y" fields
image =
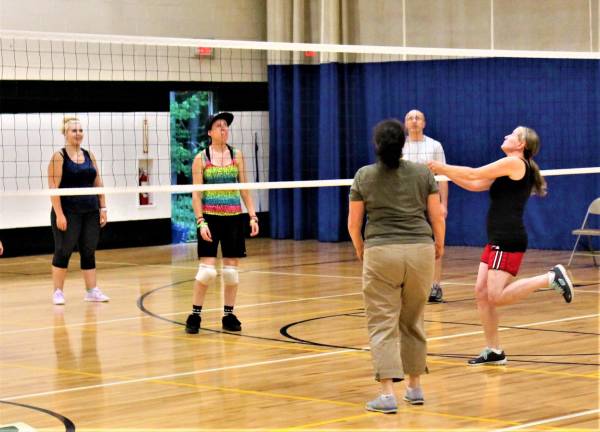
{"x": 227, "y": 116}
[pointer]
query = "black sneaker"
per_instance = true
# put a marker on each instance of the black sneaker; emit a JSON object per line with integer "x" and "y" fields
{"x": 231, "y": 323}
{"x": 488, "y": 356}
{"x": 192, "y": 324}
{"x": 435, "y": 296}
{"x": 562, "y": 283}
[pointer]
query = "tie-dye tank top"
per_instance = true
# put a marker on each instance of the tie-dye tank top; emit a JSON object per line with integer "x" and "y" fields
{"x": 221, "y": 203}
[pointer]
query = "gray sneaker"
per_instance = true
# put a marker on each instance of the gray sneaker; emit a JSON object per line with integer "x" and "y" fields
{"x": 414, "y": 396}
{"x": 383, "y": 404}
{"x": 436, "y": 295}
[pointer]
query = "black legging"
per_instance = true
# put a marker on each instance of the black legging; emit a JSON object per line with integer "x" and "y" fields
{"x": 83, "y": 229}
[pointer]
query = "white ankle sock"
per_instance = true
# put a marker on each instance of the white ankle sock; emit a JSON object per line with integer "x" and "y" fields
{"x": 551, "y": 277}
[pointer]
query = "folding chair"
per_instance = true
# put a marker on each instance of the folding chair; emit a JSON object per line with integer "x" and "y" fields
{"x": 594, "y": 209}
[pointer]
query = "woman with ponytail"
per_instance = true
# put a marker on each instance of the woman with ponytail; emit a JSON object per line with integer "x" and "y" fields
{"x": 511, "y": 181}
{"x": 403, "y": 236}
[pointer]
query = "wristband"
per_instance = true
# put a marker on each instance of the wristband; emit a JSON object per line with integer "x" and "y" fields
{"x": 103, "y": 209}
{"x": 202, "y": 224}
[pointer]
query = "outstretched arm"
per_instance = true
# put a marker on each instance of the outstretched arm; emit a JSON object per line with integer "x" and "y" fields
{"x": 480, "y": 179}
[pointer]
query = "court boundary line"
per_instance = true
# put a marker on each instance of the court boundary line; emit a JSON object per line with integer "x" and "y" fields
{"x": 549, "y": 420}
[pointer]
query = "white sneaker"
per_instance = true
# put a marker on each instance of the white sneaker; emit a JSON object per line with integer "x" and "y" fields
{"x": 58, "y": 298}
{"x": 95, "y": 295}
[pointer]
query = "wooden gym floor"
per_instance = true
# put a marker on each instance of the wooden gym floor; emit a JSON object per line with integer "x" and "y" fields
{"x": 301, "y": 361}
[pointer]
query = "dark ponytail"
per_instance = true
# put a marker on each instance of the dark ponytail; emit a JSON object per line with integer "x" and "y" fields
{"x": 389, "y": 136}
{"x": 532, "y": 147}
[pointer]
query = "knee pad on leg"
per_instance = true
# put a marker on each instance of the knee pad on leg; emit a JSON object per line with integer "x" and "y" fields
{"x": 231, "y": 275}
{"x": 206, "y": 274}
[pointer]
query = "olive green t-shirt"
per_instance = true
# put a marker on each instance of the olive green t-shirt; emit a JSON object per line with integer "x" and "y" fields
{"x": 395, "y": 202}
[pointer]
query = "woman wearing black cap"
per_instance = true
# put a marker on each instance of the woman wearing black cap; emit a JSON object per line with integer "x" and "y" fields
{"x": 220, "y": 220}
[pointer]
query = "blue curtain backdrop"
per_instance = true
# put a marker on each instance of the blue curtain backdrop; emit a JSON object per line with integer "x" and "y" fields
{"x": 321, "y": 117}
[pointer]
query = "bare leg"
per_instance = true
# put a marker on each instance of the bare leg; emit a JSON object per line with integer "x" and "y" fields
{"x": 89, "y": 277}
{"x": 58, "y": 277}
{"x": 520, "y": 289}
{"x": 487, "y": 311}
{"x": 414, "y": 381}
{"x": 437, "y": 275}
{"x": 387, "y": 386}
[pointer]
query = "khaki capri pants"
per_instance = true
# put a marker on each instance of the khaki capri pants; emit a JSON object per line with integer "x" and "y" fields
{"x": 396, "y": 283}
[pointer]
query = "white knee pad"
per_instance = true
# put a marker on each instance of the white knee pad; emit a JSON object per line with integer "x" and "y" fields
{"x": 206, "y": 274}
{"x": 231, "y": 275}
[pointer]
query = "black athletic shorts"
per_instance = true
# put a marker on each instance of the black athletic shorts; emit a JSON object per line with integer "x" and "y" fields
{"x": 227, "y": 230}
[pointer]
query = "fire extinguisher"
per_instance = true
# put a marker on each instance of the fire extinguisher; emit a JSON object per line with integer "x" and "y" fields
{"x": 144, "y": 196}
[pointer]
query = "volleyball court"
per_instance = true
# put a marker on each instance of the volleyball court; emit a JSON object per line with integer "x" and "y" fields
{"x": 301, "y": 360}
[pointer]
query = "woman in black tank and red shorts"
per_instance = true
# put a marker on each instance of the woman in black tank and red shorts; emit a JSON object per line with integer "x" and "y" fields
{"x": 510, "y": 180}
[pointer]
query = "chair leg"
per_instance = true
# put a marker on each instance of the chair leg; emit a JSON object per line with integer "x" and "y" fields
{"x": 573, "y": 251}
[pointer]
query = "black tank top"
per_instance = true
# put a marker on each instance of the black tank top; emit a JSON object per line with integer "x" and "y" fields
{"x": 505, "y": 227}
{"x": 76, "y": 175}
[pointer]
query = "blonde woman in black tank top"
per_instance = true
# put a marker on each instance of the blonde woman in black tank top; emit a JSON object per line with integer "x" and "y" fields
{"x": 510, "y": 180}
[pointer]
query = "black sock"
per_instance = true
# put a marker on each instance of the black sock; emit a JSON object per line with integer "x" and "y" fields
{"x": 196, "y": 309}
{"x": 227, "y": 310}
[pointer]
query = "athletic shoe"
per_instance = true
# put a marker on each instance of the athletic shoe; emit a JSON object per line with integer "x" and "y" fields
{"x": 95, "y": 295}
{"x": 58, "y": 298}
{"x": 436, "y": 295}
{"x": 562, "y": 283}
{"x": 414, "y": 396}
{"x": 192, "y": 324}
{"x": 383, "y": 404}
{"x": 231, "y": 323}
{"x": 488, "y": 356}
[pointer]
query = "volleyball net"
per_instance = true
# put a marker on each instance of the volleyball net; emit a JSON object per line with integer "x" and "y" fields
{"x": 303, "y": 114}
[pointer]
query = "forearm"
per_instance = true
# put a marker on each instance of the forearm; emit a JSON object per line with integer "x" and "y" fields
{"x": 197, "y": 204}
{"x": 443, "y": 186}
{"x": 356, "y": 236}
{"x": 438, "y": 225}
{"x": 460, "y": 173}
{"x": 101, "y": 198}
{"x": 248, "y": 202}
{"x": 56, "y": 205}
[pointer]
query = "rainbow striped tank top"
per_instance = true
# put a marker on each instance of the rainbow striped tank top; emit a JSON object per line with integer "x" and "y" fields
{"x": 221, "y": 203}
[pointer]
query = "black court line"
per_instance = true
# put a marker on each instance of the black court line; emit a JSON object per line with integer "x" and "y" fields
{"x": 284, "y": 331}
{"x": 140, "y": 304}
{"x": 69, "y": 425}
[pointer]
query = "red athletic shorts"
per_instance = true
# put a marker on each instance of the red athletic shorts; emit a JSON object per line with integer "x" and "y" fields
{"x": 497, "y": 259}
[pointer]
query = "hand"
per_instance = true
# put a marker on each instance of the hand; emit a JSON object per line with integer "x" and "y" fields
{"x": 253, "y": 228}
{"x": 1, "y": 248}
{"x": 103, "y": 218}
{"x": 439, "y": 251}
{"x": 61, "y": 222}
{"x": 435, "y": 166}
{"x": 205, "y": 233}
